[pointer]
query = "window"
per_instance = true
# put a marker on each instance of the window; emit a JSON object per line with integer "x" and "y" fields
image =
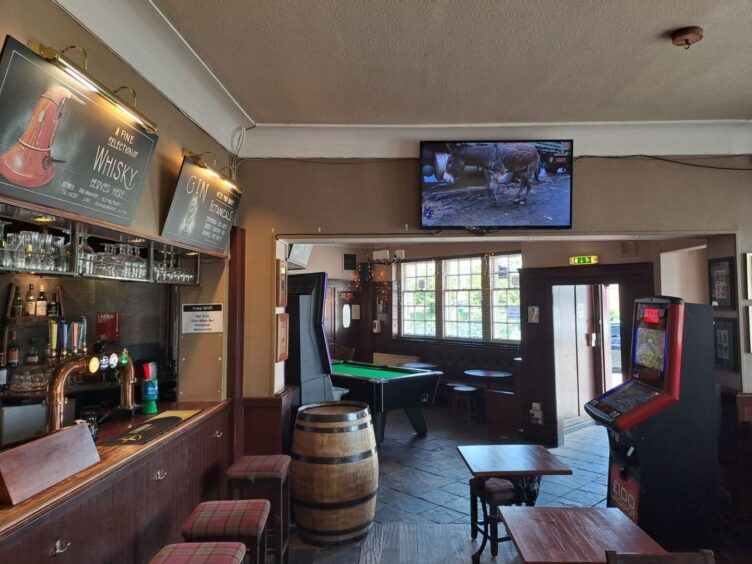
{"x": 474, "y": 298}
{"x": 505, "y": 297}
{"x": 418, "y": 299}
{"x": 463, "y": 298}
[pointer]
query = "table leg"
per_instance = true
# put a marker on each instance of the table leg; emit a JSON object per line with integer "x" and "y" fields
{"x": 415, "y": 415}
{"x": 379, "y": 425}
{"x": 528, "y": 488}
{"x": 482, "y": 494}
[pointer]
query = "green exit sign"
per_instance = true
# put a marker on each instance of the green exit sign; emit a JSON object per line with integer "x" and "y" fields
{"x": 583, "y": 259}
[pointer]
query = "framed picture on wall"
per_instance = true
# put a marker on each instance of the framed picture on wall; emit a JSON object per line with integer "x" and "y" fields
{"x": 281, "y": 283}
{"x": 748, "y": 258}
{"x": 283, "y": 337}
{"x": 722, "y": 283}
{"x": 726, "y": 344}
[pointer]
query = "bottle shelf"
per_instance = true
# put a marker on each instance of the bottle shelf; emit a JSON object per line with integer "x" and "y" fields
{"x": 30, "y": 320}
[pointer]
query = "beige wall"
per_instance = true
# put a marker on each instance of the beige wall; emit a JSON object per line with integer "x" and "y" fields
{"x": 684, "y": 274}
{"x": 330, "y": 259}
{"x": 43, "y": 21}
{"x": 616, "y": 196}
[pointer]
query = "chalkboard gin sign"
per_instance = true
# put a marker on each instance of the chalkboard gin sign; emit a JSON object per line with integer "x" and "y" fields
{"x": 203, "y": 208}
{"x": 64, "y": 146}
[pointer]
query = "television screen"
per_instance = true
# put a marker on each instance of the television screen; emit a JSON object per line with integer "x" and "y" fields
{"x": 496, "y": 184}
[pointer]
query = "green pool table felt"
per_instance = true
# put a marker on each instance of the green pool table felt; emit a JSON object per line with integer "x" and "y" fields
{"x": 342, "y": 369}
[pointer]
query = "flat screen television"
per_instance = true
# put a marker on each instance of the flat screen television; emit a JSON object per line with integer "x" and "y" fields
{"x": 496, "y": 184}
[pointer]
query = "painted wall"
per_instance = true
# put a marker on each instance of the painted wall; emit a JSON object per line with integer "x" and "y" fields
{"x": 330, "y": 259}
{"x": 43, "y": 21}
{"x": 614, "y": 196}
{"x": 685, "y": 274}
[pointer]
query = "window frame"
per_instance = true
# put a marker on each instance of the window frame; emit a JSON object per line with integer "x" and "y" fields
{"x": 439, "y": 295}
{"x": 402, "y": 291}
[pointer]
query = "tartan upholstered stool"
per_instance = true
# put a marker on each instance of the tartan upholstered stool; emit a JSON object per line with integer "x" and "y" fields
{"x": 266, "y": 476}
{"x": 496, "y": 492}
{"x": 240, "y": 520}
{"x": 201, "y": 553}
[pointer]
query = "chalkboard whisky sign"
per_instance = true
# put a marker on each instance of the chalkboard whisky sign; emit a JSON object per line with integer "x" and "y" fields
{"x": 203, "y": 208}
{"x": 63, "y": 145}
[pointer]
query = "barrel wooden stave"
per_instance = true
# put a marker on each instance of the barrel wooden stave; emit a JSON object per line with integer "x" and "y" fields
{"x": 334, "y": 474}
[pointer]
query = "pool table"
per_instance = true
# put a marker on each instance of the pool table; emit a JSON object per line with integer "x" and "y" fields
{"x": 385, "y": 388}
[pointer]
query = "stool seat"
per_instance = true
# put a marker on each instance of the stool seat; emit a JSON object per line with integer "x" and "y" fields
{"x": 498, "y": 491}
{"x": 201, "y": 553}
{"x": 217, "y": 519}
{"x": 260, "y": 467}
{"x": 465, "y": 389}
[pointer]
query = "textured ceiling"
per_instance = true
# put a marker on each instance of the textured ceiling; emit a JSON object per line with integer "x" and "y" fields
{"x": 473, "y": 62}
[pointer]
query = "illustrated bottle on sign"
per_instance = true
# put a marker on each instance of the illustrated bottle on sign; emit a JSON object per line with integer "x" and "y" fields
{"x": 3, "y": 373}
{"x": 40, "y": 307}
{"x": 53, "y": 308}
{"x": 32, "y": 356}
{"x": 17, "y": 308}
{"x": 13, "y": 352}
{"x": 30, "y": 304}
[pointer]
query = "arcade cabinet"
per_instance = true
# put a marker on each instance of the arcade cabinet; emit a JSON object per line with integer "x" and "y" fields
{"x": 663, "y": 423}
{"x": 308, "y": 364}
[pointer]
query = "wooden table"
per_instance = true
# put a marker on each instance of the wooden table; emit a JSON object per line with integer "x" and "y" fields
{"x": 523, "y": 464}
{"x": 573, "y": 534}
{"x": 486, "y": 378}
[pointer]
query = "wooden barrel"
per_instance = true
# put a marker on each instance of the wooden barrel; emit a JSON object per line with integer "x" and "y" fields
{"x": 335, "y": 472}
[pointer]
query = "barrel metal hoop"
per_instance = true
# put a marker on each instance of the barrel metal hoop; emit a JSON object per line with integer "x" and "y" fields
{"x": 334, "y": 533}
{"x": 350, "y": 429}
{"x": 334, "y": 504}
{"x": 352, "y": 416}
{"x": 333, "y": 459}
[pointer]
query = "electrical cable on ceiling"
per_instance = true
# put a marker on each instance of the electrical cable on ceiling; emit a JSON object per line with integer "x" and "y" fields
{"x": 672, "y": 161}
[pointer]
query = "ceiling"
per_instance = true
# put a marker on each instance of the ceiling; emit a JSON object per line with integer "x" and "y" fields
{"x": 472, "y": 62}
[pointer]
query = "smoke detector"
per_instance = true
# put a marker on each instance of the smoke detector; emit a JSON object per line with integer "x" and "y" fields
{"x": 686, "y": 36}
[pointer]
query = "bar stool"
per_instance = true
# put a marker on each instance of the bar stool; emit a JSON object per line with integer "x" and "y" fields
{"x": 462, "y": 402}
{"x": 450, "y": 386}
{"x": 266, "y": 477}
{"x": 235, "y": 520}
{"x": 201, "y": 552}
{"x": 497, "y": 491}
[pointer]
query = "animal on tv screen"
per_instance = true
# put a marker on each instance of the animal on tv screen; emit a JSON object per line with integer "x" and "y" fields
{"x": 496, "y": 185}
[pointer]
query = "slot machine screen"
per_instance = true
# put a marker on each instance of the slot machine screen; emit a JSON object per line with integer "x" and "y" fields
{"x": 626, "y": 397}
{"x": 649, "y": 354}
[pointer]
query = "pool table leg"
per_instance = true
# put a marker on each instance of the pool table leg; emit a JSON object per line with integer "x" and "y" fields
{"x": 379, "y": 424}
{"x": 415, "y": 415}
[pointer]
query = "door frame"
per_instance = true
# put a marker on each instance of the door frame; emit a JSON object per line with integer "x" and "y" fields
{"x": 538, "y": 380}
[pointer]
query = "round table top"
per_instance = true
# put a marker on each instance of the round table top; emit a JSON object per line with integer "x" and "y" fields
{"x": 419, "y": 365}
{"x": 488, "y": 373}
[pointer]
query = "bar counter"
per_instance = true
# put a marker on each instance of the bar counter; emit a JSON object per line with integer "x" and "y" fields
{"x": 194, "y": 450}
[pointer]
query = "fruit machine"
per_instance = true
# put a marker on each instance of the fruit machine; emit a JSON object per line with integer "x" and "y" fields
{"x": 663, "y": 423}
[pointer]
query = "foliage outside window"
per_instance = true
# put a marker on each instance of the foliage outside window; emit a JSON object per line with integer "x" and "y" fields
{"x": 463, "y": 298}
{"x": 505, "y": 297}
{"x": 475, "y": 298}
{"x": 418, "y": 303}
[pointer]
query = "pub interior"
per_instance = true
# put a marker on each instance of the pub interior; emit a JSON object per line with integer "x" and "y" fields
{"x": 305, "y": 282}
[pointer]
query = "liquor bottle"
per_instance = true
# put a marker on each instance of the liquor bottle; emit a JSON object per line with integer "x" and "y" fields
{"x": 30, "y": 305}
{"x": 3, "y": 373}
{"x": 17, "y": 308}
{"x": 40, "y": 307}
{"x": 32, "y": 356}
{"x": 53, "y": 308}
{"x": 13, "y": 352}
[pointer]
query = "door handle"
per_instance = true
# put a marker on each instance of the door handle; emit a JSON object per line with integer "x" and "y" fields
{"x": 591, "y": 339}
{"x": 160, "y": 475}
{"x": 218, "y": 434}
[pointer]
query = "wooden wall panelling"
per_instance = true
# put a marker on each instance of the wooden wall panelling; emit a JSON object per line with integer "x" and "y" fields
{"x": 236, "y": 339}
{"x": 267, "y": 423}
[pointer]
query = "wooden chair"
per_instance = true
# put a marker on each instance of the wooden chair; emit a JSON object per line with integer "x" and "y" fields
{"x": 342, "y": 352}
{"x": 701, "y": 557}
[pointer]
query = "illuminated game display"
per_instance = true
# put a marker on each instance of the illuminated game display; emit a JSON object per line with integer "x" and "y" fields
{"x": 663, "y": 423}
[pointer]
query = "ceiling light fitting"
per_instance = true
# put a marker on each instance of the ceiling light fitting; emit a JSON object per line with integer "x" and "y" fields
{"x": 686, "y": 36}
{"x": 383, "y": 258}
{"x": 81, "y": 75}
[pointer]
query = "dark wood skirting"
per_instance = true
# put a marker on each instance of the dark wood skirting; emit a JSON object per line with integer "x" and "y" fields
{"x": 267, "y": 424}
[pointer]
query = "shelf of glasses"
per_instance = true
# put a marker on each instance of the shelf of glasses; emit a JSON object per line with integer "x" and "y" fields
{"x": 114, "y": 278}
{"x": 35, "y": 272}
